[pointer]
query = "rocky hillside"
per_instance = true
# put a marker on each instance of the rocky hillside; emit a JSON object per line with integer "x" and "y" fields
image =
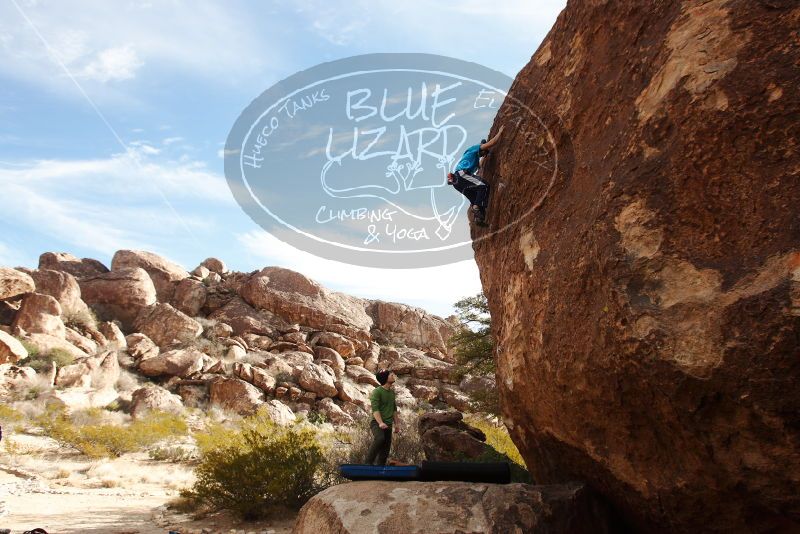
{"x": 647, "y": 312}
{"x": 214, "y": 338}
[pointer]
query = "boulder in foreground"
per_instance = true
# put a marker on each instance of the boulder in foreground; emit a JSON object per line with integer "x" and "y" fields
{"x": 377, "y": 507}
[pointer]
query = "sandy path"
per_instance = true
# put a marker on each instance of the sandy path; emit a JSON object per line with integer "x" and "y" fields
{"x": 28, "y": 503}
{"x": 62, "y": 492}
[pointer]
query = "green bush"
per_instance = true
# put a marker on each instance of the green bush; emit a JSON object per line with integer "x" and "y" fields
{"x": 9, "y": 414}
{"x": 87, "y": 433}
{"x": 258, "y": 467}
{"x": 171, "y": 454}
{"x": 79, "y": 319}
{"x": 316, "y": 418}
{"x": 211, "y": 347}
{"x": 32, "y": 349}
{"x": 41, "y": 362}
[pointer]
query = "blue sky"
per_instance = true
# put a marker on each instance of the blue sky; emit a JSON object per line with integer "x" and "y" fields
{"x": 113, "y": 116}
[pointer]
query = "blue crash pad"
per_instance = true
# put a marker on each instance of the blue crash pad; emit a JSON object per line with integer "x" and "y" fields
{"x": 379, "y": 472}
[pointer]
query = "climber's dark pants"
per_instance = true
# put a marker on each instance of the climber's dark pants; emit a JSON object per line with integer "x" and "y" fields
{"x": 472, "y": 187}
{"x": 381, "y": 443}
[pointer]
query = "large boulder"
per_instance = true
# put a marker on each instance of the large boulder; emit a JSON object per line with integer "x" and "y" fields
{"x": 99, "y": 372}
{"x": 279, "y": 413}
{"x": 645, "y": 292}
{"x": 477, "y": 385}
{"x": 178, "y": 362}
{"x": 87, "y": 345}
{"x": 349, "y": 392}
{"x": 164, "y": 273}
{"x": 361, "y": 375}
{"x": 14, "y": 283}
{"x": 405, "y": 361}
{"x": 298, "y": 299}
{"x": 330, "y": 357}
{"x": 113, "y": 334}
{"x": 214, "y": 265}
{"x": 63, "y": 287}
{"x": 165, "y": 325}
{"x": 190, "y": 296}
{"x": 446, "y": 437}
{"x": 333, "y": 413}
{"x": 12, "y": 376}
{"x": 244, "y": 319}
{"x": 296, "y": 360}
{"x": 377, "y": 507}
{"x": 153, "y": 398}
{"x": 235, "y": 395}
{"x": 40, "y": 314}
{"x": 77, "y": 267}
{"x": 141, "y": 347}
{"x": 412, "y": 326}
{"x": 345, "y": 347}
{"x": 11, "y": 350}
{"x": 318, "y": 378}
{"x": 119, "y": 294}
{"x": 456, "y": 398}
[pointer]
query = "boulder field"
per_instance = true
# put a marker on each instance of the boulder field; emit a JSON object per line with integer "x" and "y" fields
{"x": 212, "y": 337}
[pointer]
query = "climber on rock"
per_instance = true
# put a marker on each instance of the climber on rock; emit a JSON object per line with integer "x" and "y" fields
{"x": 466, "y": 180}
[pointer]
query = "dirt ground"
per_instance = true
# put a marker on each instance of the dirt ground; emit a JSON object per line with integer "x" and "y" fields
{"x": 45, "y": 485}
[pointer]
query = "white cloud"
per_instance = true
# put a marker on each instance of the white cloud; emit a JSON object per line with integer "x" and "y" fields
{"x": 101, "y": 42}
{"x": 170, "y": 140}
{"x": 113, "y": 64}
{"x": 105, "y": 204}
{"x": 133, "y": 175}
{"x": 432, "y": 288}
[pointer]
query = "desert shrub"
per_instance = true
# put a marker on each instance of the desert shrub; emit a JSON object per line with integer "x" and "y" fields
{"x": 172, "y": 454}
{"x": 257, "y": 467}
{"x": 41, "y": 362}
{"x": 9, "y": 414}
{"x": 317, "y": 418}
{"x": 209, "y": 346}
{"x": 284, "y": 377}
{"x": 32, "y": 349}
{"x": 183, "y": 504}
{"x": 14, "y": 448}
{"x": 88, "y": 433}
{"x": 79, "y": 319}
{"x": 205, "y": 322}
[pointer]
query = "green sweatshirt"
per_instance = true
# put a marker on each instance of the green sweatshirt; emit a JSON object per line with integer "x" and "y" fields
{"x": 382, "y": 400}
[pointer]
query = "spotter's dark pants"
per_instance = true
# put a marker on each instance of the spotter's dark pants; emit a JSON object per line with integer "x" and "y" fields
{"x": 381, "y": 444}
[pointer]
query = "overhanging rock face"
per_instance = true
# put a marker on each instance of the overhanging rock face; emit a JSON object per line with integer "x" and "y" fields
{"x": 647, "y": 310}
